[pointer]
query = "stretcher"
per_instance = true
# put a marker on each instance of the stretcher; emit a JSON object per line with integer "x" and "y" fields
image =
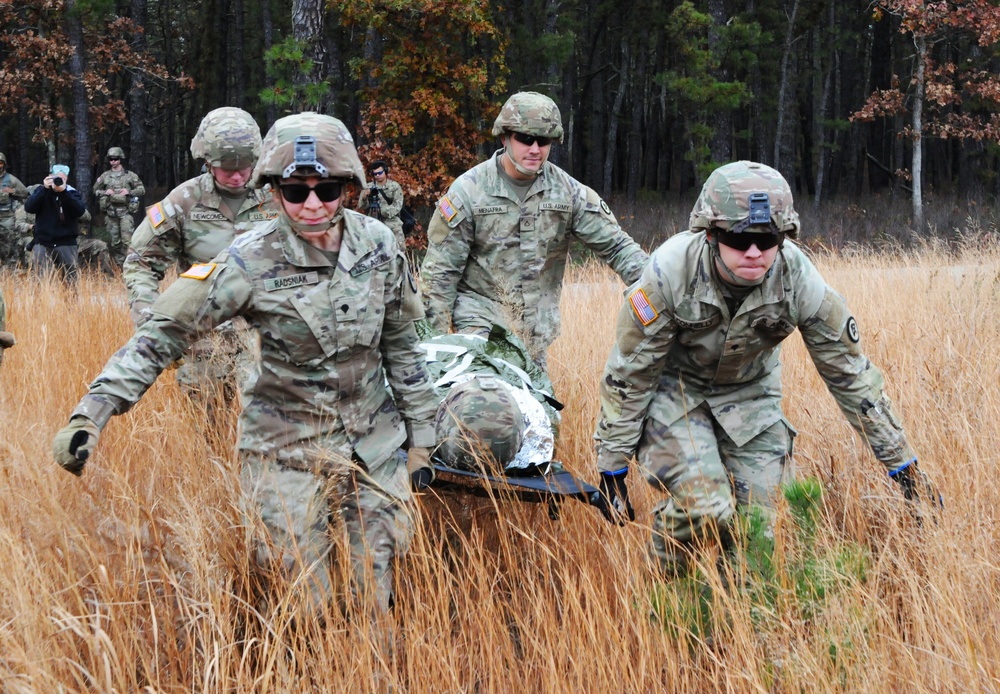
{"x": 550, "y": 485}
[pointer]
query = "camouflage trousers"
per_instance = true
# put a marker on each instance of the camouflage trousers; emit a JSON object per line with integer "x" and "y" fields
{"x": 303, "y": 513}
{"x": 12, "y": 243}
{"x": 119, "y": 232}
{"x": 706, "y": 475}
{"x": 397, "y": 229}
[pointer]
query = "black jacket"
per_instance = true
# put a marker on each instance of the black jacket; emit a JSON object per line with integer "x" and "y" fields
{"x": 55, "y": 215}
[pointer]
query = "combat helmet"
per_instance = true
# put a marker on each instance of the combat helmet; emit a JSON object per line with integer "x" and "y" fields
{"x": 3, "y": 158}
{"x": 308, "y": 144}
{"x": 479, "y": 423}
{"x": 116, "y": 153}
{"x": 530, "y": 113}
{"x": 745, "y": 196}
{"x": 229, "y": 138}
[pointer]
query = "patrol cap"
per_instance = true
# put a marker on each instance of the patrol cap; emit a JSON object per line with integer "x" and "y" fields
{"x": 228, "y": 138}
{"x": 308, "y": 144}
{"x": 530, "y": 113}
{"x": 60, "y": 169}
{"x": 748, "y": 197}
{"x": 479, "y": 423}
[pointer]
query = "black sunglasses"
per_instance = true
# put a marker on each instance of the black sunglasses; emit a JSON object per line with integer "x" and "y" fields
{"x": 114, "y": 158}
{"x": 297, "y": 193}
{"x": 529, "y": 140}
{"x": 743, "y": 240}
{"x": 378, "y": 173}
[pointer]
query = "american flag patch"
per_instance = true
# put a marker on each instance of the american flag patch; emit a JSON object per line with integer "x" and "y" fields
{"x": 643, "y": 309}
{"x": 446, "y": 209}
{"x": 155, "y": 214}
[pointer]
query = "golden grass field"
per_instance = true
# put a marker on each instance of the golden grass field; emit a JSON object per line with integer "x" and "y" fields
{"x": 132, "y": 578}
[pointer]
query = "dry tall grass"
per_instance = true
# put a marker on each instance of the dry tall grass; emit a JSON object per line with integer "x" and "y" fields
{"x": 131, "y": 577}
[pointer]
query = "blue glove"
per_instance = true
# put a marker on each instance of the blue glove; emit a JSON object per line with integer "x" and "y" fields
{"x": 916, "y": 484}
{"x": 612, "y": 499}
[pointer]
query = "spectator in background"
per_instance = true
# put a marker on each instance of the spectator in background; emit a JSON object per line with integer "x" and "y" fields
{"x": 383, "y": 200}
{"x": 57, "y": 206}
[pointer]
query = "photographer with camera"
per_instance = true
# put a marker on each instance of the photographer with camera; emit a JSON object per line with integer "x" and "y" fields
{"x": 383, "y": 200}
{"x": 57, "y": 206}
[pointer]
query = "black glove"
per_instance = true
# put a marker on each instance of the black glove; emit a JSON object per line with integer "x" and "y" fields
{"x": 916, "y": 484}
{"x": 612, "y": 499}
{"x": 418, "y": 464}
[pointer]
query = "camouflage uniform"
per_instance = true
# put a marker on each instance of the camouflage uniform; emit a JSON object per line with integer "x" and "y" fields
{"x": 317, "y": 406}
{"x": 192, "y": 225}
{"x": 12, "y": 241}
{"x": 118, "y": 208}
{"x": 390, "y": 203}
{"x": 494, "y": 399}
{"x": 6, "y": 339}
{"x": 694, "y": 391}
{"x": 493, "y": 258}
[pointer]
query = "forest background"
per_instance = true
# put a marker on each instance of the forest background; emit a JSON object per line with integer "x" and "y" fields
{"x": 896, "y": 99}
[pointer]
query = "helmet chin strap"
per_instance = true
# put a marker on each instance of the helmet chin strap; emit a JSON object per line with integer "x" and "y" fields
{"x": 510, "y": 156}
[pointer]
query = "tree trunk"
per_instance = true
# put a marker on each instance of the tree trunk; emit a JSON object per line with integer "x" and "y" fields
{"x": 722, "y": 119}
{"x": 307, "y": 29}
{"x": 81, "y": 105}
{"x": 636, "y": 128}
{"x": 137, "y": 98}
{"x": 612, "y": 148}
{"x": 267, "y": 22}
{"x": 780, "y": 144}
{"x": 238, "y": 65}
{"x": 918, "y": 125}
{"x": 824, "y": 103}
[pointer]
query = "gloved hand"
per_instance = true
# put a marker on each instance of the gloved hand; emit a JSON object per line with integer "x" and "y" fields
{"x": 418, "y": 464}
{"x": 74, "y": 443}
{"x": 916, "y": 484}
{"x": 612, "y": 500}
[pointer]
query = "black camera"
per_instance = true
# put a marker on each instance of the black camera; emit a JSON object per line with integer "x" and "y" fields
{"x": 57, "y": 181}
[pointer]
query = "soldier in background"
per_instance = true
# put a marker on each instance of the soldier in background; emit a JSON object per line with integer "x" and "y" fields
{"x": 692, "y": 388}
{"x": 499, "y": 240}
{"x": 118, "y": 193}
{"x": 12, "y": 239}
{"x": 194, "y": 223}
{"x": 340, "y": 385}
{"x": 383, "y": 200}
{"x": 6, "y": 338}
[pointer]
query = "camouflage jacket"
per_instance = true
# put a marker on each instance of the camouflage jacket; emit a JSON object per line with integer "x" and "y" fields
{"x": 333, "y": 342}
{"x": 190, "y": 225}
{"x": 390, "y": 201}
{"x": 112, "y": 180}
{"x": 492, "y": 259}
{"x": 677, "y": 347}
{"x": 8, "y": 180}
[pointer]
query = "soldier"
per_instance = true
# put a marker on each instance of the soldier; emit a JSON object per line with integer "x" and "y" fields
{"x": 11, "y": 231}
{"x": 692, "y": 388}
{"x": 193, "y": 224}
{"x": 118, "y": 192}
{"x": 494, "y": 400}
{"x": 6, "y": 338}
{"x": 340, "y": 384}
{"x": 499, "y": 239}
{"x": 384, "y": 200}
